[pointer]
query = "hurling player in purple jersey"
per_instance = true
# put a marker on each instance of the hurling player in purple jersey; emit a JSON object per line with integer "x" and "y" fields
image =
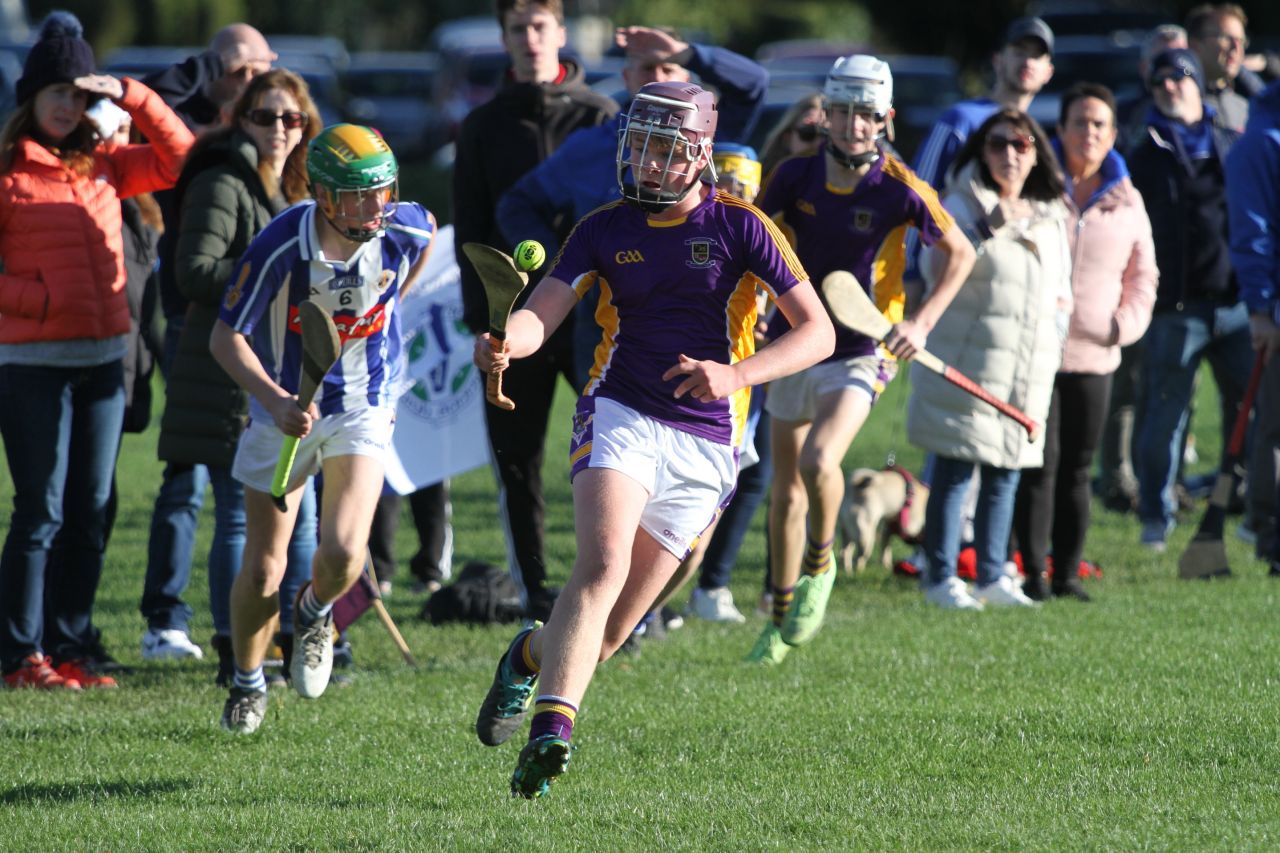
{"x": 352, "y": 252}
{"x": 847, "y": 207}
{"x": 656, "y": 434}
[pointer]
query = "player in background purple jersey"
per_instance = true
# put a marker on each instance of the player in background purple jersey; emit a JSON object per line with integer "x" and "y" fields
{"x": 846, "y": 207}
{"x": 352, "y": 252}
{"x": 656, "y": 433}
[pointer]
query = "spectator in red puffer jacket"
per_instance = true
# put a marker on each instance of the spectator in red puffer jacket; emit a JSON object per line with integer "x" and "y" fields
{"x": 63, "y": 323}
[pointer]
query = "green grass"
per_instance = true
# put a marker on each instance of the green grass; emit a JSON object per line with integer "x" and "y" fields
{"x": 1143, "y": 721}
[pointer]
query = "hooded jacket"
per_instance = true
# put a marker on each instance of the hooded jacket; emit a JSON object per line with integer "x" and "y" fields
{"x": 1113, "y": 271}
{"x": 1253, "y": 202}
{"x": 500, "y": 141}
{"x": 60, "y": 233}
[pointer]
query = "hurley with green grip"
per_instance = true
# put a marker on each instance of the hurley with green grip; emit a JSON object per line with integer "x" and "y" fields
{"x": 321, "y": 348}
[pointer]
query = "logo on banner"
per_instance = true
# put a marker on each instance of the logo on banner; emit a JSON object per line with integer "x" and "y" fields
{"x": 444, "y": 374}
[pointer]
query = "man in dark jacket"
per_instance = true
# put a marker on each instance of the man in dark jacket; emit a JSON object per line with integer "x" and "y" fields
{"x": 1178, "y": 168}
{"x": 542, "y": 101}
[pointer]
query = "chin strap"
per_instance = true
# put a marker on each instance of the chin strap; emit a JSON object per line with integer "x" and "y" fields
{"x": 853, "y": 161}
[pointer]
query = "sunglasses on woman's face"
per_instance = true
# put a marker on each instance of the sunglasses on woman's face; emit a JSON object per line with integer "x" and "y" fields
{"x": 806, "y": 132}
{"x": 293, "y": 119}
{"x": 997, "y": 143}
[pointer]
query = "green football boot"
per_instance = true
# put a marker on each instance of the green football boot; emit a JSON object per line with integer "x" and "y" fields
{"x": 770, "y": 649}
{"x": 808, "y": 607}
{"x": 507, "y": 703}
{"x": 541, "y": 762}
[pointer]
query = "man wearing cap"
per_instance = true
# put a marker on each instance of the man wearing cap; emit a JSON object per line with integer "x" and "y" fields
{"x": 1022, "y": 67}
{"x": 1178, "y": 169}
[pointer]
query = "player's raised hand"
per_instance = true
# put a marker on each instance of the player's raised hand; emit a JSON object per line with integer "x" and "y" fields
{"x": 906, "y": 339}
{"x": 486, "y": 358}
{"x": 705, "y": 380}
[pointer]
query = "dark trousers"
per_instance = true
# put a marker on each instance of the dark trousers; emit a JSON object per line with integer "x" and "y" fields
{"x": 61, "y": 430}
{"x": 516, "y": 439}
{"x": 432, "y": 515}
{"x": 1053, "y": 501}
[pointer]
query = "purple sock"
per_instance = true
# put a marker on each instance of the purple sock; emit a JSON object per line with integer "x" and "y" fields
{"x": 552, "y": 715}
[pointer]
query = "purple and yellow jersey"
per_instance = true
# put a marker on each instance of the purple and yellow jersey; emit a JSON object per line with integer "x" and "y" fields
{"x": 859, "y": 230}
{"x": 361, "y": 295}
{"x": 669, "y": 288}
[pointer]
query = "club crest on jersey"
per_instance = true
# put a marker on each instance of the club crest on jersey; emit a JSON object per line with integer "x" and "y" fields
{"x": 862, "y": 218}
{"x": 699, "y": 252}
{"x": 806, "y": 207}
{"x": 345, "y": 282}
{"x": 236, "y": 290}
{"x": 385, "y": 280}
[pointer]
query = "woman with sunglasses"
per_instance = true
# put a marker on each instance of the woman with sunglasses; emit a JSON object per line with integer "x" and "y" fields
{"x": 798, "y": 133}
{"x": 1004, "y": 330}
{"x": 235, "y": 180}
{"x": 1113, "y": 276}
{"x": 64, "y": 323}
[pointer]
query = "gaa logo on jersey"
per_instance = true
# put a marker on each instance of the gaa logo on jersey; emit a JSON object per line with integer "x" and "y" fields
{"x": 862, "y": 218}
{"x": 699, "y": 252}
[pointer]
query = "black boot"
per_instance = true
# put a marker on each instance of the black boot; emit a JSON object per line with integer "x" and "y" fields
{"x": 1033, "y": 587}
{"x": 226, "y": 660}
{"x": 1071, "y": 588}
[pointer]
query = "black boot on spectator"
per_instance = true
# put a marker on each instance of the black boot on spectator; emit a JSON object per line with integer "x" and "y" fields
{"x": 1033, "y": 587}
{"x": 1071, "y": 588}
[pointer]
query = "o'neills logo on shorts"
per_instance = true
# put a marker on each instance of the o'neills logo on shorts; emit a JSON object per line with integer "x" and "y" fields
{"x": 675, "y": 537}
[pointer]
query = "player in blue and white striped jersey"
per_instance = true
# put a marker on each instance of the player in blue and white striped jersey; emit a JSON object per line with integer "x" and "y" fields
{"x": 353, "y": 252}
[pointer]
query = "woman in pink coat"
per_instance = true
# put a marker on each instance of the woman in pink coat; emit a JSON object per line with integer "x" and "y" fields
{"x": 64, "y": 319}
{"x": 1113, "y": 280}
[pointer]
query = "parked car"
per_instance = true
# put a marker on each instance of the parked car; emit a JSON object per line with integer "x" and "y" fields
{"x": 392, "y": 91}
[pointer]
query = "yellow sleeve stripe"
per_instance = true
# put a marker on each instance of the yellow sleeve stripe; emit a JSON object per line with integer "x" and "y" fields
{"x": 784, "y": 245}
{"x": 556, "y": 260}
{"x": 896, "y": 169}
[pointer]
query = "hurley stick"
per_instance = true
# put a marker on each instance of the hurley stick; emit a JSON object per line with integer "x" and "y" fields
{"x": 502, "y": 284}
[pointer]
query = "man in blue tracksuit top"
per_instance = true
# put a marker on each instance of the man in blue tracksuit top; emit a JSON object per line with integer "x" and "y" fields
{"x": 1253, "y": 207}
{"x": 583, "y": 173}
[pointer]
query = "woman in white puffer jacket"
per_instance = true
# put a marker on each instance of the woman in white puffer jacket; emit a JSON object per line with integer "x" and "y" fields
{"x": 1004, "y": 330}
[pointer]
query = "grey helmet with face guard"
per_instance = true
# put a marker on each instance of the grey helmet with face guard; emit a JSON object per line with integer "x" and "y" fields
{"x": 864, "y": 84}
{"x": 668, "y": 123}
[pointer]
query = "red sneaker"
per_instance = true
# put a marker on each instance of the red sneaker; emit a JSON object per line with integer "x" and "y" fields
{"x": 81, "y": 672}
{"x": 36, "y": 672}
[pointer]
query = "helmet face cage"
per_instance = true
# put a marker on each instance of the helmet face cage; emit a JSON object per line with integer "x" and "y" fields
{"x": 345, "y": 208}
{"x": 667, "y": 130}
{"x": 355, "y": 179}
{"x": 857, "y": 85}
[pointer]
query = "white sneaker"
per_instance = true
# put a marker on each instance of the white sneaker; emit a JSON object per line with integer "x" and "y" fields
{"x": 714, "y": 605}
{"x": 169, "y": 644}
{"x": 1003, "y": 593}
{"x": 951, "y": 594}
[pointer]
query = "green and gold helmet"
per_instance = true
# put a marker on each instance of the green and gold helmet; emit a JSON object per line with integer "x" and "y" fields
{"x": 350, "y": 167}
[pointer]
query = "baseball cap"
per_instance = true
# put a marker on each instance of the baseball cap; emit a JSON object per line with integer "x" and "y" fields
{"x": 1034, "y": 28}
{"x": 1179, "y": 61}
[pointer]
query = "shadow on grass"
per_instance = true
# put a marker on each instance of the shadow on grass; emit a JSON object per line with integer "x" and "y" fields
{"x": 70, "y": 792}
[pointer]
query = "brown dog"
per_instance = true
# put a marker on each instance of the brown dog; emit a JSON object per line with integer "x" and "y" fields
{"x": 879, "y": 504}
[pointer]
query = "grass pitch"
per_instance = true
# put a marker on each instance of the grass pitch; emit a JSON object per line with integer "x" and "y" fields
{"x": 1145, "y": 720}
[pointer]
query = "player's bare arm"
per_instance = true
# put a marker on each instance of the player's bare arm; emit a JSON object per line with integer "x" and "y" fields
{"x": 528, "y": 328}
{"x": 232, "y": 352}
{"x": 955, "y": 255}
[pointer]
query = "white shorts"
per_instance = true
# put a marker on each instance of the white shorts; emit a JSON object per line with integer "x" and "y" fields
{"x": 795, "y": 397}
{"x": 689, "y": 478}
{"x": 364, "y": 432}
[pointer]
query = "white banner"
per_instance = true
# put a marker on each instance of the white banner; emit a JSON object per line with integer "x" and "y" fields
{"x": 440, "y": 429}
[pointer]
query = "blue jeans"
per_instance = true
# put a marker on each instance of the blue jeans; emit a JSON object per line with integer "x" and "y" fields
{"x": 172, "y": 547}
{"x": 735, "y": 521}
{"x": 61, "y": 430}
{"x": 1175, "y": 345}
{"x": 944, "y": 518}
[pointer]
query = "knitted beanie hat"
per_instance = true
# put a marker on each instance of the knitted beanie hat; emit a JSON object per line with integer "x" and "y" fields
{"x": 60, "y": 56}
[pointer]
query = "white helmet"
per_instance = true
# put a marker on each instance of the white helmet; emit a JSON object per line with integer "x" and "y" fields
{"x": 863, "y": 82}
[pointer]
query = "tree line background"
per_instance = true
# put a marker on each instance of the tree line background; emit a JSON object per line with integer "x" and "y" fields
{"x": 966, "y": 31}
